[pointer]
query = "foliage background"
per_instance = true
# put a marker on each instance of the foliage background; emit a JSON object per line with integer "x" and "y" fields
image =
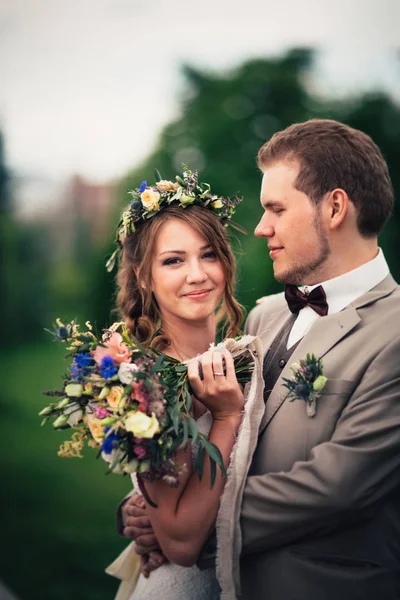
{"x": 58, "y": 530}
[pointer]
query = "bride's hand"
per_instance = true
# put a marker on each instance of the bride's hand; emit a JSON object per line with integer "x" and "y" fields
{"x": 219, "y": 389}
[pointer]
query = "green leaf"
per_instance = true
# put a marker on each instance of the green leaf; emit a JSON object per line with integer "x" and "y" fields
{"x": 158, "y": 365}
{"x": 187, "y": 395}
{"x": 175, "y": 414}
{"x": 157, "y": 175}
{"x": 181, "y": 181}
{"x": 194, "y": 434}
{"x": 139, "y": 345}
{"x": 213, "y": 472}
{"x": 185, "y": 433}
{"x": 214, "y": 453}
{"x": 110, "y": 264}
{"x": 140, "y": 375}
{"x": 200, "y": 459}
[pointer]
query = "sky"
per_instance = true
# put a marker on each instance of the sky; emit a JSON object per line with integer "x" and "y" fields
{"x": 86, "y": 85}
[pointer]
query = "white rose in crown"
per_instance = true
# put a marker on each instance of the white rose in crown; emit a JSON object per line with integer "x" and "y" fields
{"x": 167, "y": 186}
{"x": 150, "y": 199}
{"x": 217, "y": 204}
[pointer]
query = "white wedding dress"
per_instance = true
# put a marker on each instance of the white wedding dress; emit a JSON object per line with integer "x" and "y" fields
{"x": 171, "y": 582}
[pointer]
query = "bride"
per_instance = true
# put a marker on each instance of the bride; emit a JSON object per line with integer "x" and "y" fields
{"x": 176, "y": 279}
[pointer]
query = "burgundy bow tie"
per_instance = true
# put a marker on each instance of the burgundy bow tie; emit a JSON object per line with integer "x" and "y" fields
{"x": 316, "y": 299}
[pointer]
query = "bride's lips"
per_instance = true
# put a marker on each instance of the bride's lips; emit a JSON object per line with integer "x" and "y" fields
{"x": 198, "y": 294}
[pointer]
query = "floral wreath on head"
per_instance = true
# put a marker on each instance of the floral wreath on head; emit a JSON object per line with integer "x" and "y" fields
{"x": 186, "y": 191}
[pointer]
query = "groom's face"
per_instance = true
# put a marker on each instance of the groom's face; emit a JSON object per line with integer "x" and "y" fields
{"x": 293, "y": 227}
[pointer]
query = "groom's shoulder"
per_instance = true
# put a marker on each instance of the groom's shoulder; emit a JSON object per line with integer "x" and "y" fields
{"x": 383, "y": 299}
{"x": 266, "y": 307}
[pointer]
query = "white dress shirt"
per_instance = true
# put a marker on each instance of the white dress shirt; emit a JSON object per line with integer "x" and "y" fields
{"x": 340, "y": 292}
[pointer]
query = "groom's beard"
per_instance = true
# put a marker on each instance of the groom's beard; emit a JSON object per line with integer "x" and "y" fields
{"x": 301, "y": 274}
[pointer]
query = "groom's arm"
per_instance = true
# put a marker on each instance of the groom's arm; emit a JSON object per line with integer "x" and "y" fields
{"x": 343, "y": 478}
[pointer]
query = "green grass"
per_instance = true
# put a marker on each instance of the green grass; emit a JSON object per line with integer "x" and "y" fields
{"x": 58, "y": 515}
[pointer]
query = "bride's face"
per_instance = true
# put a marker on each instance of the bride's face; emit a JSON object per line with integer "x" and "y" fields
{"x": 188, "y": 280}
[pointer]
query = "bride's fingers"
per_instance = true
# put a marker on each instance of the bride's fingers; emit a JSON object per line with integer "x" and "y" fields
{"x": 218, "y": 366}
{"x": 194, "y": 376}
{"x": 207, "y": 366}
{"x": 229, "y": 366}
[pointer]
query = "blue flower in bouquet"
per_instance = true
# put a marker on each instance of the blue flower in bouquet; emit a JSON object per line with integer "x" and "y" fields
{"x": 84, "y": 359}
{"x": 110, "y": 442}
{"x": 143, "y": 186}
{"x": 108, "y": 368}
{"x": 81, "y": 366}
{"x": 144, "y": 396}
{"x": 76, "y": 372}
{"x": 63, "y": 333}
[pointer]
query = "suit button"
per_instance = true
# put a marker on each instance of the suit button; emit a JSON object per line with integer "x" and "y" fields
{"x": 282, "y": 363}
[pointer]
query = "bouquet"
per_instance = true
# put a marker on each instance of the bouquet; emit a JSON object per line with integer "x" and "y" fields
{"x": 132, "y": 404}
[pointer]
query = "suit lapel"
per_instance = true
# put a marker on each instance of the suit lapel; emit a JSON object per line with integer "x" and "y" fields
{"x": 269, "y": 332}
{"x": 323, "y": 335}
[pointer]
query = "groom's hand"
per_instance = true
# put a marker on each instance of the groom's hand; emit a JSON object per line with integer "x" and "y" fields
{"x": 137, "y": 525}
{"x": 135, "y": 519}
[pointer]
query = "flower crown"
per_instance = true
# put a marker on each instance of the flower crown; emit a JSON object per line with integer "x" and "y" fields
{"x": 147, "y": 201}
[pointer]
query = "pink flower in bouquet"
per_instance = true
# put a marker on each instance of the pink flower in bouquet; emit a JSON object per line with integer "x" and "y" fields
{"x": 140, "y": 451}
{"x": 113, "y": 347}
{"x": 140, "y": 396}
{"x": 101, "y": 412}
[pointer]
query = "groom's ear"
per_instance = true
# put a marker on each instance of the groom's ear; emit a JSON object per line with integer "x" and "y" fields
{"x": 336, "y": 207}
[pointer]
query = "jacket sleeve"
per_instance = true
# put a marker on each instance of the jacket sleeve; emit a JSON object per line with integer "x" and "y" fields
{"x": 344, "y": 477}
{"x": 208, "y": 554}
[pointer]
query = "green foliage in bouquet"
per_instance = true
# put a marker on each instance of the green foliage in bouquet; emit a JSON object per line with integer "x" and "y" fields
{"x": 132, "y": 404}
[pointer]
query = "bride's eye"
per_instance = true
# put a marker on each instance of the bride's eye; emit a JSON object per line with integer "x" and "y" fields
{"x": 211, "y": 254}
{"x": 171, "y": 261}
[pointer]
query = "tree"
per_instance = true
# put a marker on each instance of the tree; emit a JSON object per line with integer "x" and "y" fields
{"x": 224, "y": 120}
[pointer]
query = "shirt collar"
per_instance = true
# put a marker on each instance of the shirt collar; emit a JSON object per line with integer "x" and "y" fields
{"x": 341, "y": 291}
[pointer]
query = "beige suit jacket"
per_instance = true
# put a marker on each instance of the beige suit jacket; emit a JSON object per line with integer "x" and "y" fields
{"x": 321, "y": 506}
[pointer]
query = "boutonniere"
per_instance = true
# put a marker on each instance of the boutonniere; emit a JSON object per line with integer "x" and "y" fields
{"x": 307, "y": 382}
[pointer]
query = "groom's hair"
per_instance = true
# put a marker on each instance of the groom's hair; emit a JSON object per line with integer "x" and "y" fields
{"x": 333, "y": 155}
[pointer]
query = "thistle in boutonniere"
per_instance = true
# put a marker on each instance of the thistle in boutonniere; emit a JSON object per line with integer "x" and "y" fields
{"x": 307, "y": 382}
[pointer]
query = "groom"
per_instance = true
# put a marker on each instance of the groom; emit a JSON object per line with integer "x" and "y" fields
{"x": 321, "y": 507}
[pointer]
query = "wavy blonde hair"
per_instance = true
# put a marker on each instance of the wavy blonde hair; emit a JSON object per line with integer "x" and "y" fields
{"x": 136, "y": 302}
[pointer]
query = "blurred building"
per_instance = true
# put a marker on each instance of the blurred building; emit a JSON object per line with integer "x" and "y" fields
{"x": 91, "y": 205}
